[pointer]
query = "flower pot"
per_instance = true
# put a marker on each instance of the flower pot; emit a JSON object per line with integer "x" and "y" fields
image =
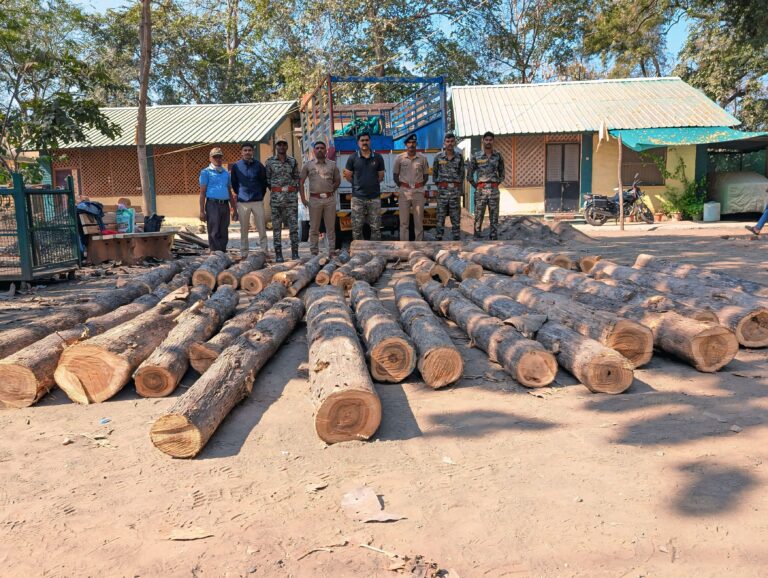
{"x": 658, "y": 217}
{"x": 677, "y": 216}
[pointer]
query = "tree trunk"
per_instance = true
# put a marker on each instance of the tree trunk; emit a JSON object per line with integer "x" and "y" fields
{"x": 524, "y": 359}
{"x": 234, "y": 274}
{"x": 369, "y": 272}
{"x": 460, "y": 268}
{"x": 13, "y": 340}
{"x": 323, "y": 276}
{"x": 517, "y": 253}
{"x": 145, "y": 63}
{"x": 347, "y": 406}
{"x": 401, "y": 250}
{"x": 749, "y": 322}
{"x": 209, "y": 271}
{"x": 161, "y": 372}
{"x": 96, "y": 369}
{"x": 705, "y": 276}
{"x": 299, "y": 277}
{"x": 203, "y": 354}
{"x": 440, "y": 362}
{"x": 425, "y": 269}
{"x": 495, "y": 264}
{"x": 630, "y": 339}
{"x": 256, "y": 281}
{"x": 356, "y": 260}
{"x": 186, "y": 427}
{"x": 391, "y": 353}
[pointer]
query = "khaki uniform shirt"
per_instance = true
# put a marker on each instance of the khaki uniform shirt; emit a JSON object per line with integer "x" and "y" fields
{"x": 322, "y": 177}
{"x": 412, "y": 171}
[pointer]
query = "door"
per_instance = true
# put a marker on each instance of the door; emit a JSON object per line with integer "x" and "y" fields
{"x": 561, "y": 189}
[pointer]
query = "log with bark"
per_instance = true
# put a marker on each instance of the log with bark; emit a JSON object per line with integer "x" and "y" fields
{"x": 391, "y": 353}
{"x": 300, "y": 276}
{"x": 495, "y": 264}
{"x": 161, "y": 372}
{"x": 439, "y": 362}
{"x": 160, "y": 274}
{"x": 356, "y": 260}
{"x": 599, "y": 368}
{"x": 13, "y": 340}
{"x": 184, "y": 429}
{"x": 401, "y": 250}
{"x": 255, "y": 281}
{"x": 94, "y": 370}
{"x": 369, "y": 272}
{"x": 425, "y": 269}
{"x": 515, "y": 253}
{"x": 587, "y": 263}
{"x": 524, "y": 359}
{"x": 460, "y": 268}
{"x": 347, "y": 406}
{"x": 209, "y": 271}
{"x": 629, "y": 338}
{"x": 705, "y": 276}
{"x": 202, "y": 354}
{"x": 27, "y": 375}
{"x": 234, "y": 274}
{"x": 323, "y": 277}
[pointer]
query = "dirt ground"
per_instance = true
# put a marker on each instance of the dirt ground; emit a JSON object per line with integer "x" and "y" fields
{"x": 668, "y": 479}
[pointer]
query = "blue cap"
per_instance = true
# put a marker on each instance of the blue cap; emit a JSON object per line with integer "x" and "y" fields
{"x": 411, "y": 137}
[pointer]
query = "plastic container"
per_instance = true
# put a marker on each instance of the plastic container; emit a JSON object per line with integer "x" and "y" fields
{"x": 711, "y": 212}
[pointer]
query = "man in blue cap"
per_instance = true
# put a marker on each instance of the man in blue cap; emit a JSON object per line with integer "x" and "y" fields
{"x": 410, "y": 172}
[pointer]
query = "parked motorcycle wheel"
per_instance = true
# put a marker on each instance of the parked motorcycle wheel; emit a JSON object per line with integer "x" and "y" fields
{"x": 593, "y": 218}
{"x": 645, "y": 214}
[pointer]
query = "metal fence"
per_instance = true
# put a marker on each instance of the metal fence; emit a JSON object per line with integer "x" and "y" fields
{"x": 38, "y": 232}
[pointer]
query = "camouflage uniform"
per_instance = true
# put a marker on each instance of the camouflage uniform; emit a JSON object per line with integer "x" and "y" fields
{"x": 490, "y": 173}
{"x": 362, "y": 208}
{"x": 284, "y": 203}
{"x": 448, "y": 174}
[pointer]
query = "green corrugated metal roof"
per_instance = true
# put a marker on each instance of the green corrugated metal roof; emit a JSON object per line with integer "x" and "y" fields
{"x": 643, "y": 139}
{"x": 195, "y": 123}
{"x": 582, "y": 106}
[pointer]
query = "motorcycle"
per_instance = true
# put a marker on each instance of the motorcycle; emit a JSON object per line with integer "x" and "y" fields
{"x": 599, "y": 208}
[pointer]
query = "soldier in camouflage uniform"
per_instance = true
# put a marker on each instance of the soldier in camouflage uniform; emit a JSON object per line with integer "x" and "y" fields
{"x": 283, "y": 182}
{"x": 448, "y": 174}
{"x": 365, "y": 170}
{"x": 486, "y": 172}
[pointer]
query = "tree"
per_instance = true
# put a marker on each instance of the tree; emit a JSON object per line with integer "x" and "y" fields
{"x": 145, "y": 64}
{"x": 44, "y": 81}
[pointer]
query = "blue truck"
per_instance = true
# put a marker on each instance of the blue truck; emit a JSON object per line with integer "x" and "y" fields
{"x": 325, "y": 116}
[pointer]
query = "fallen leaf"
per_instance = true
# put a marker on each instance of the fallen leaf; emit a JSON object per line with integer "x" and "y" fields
{"x": 193, "y": 533}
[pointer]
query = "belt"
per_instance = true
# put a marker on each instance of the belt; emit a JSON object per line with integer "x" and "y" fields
{"x": 321, "y": 195}
{"x": 448, "y": 184}
{"x": 407, "y": 186}
{"x": 487, "y": 185}
{"x": 220, "y": 201}
{"x": 284, "y": 189}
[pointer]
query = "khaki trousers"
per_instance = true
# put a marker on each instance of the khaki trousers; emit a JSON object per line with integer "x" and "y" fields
{"x": 324, "y": 209}
{"x": 409, "y": 199}
{"x": 247, "y": 213}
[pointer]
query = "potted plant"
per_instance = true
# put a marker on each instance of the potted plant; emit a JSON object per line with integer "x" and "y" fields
{"x": 671, "y": 205}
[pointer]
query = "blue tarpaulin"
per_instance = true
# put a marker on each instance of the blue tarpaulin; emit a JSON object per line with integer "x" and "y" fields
{"x": 642, "y": 139}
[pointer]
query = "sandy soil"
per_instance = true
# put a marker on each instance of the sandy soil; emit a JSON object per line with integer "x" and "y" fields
{"x": 493, "y": 480}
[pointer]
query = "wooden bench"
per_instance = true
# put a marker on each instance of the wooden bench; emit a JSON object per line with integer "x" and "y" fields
{"x": 129, "y": 248}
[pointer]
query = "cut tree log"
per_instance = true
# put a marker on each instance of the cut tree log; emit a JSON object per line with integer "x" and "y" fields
{"x": 391, "y": 353}
{"x": 597, "y": 367}
{"x": 27, "y": 375}
{"x": 94, "y": 370}
{"x": 203, "y": 354}
{"x": 587, "y": 263}
{"x": 160, "y": 274}
{"x": 184, "y": 429}
{"x": 629, "y": 338}
{"x": 209, "y": 271}
{"x": 356, "y": 260}
{"x": 748, "y": 321}
{"x": 495, "y": 264}
{"x": 460, "y": 268}
{"x": 347, "y": 406}
{"x": 369, "y": 272}
{"x": 516, "y": 253}
{"x": 161, "y": 372}
{"x": 300, "y": 276}
{"x": 13, "y": 340}
{"x": 706, "y": 276}
{"x": 234, "y": 274}
{"x": 425, "y": 269}
{"x": 255, "y": 281}
{"x": 401, "y": 250}
{"x": 524, "y": 359}
{"x": 323, "y": 276}
{"x": 439, "y": 362}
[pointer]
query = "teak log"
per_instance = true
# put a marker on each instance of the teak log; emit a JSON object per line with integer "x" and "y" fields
{"x": 391, "y": 352}
{"x": 184, "y": 429}
{"x": 425, "y": 269}
{"x": 234, "y": 274}
{"x": 705, "y": 276}
{"x": 749, "y": 321}
{"x": 301, "y": 276}
{"x": 323, "y": 276}
{"x": 440, "y": 362}
{"x": 202, "y": 354}
{"x": 94, "y": 370}
{"x": 495, "y": 264}
{"x": 460, "y": 268}
{"x": 524, "y": 359}
{"x": 160, "y": 274}
{"x": 369, "y": 272}
{"x": 516, "y": 253}
{"x": 401, "y": 250}
{"x": 209, "y": 271}
{"x": 255, "y": 281}
{"x": 339, "y": 274}
{"x": 13, "y": 340}
{"x": 161, "y": 372}
{"x": 587, "y": 263}
{"x": 347, "y": 406}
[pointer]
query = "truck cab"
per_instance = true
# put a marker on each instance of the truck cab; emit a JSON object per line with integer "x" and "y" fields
{"x": 327, "y": 117}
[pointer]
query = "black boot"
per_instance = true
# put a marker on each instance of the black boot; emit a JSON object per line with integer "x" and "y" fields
{"x": 279, "y": 255}
{"x": 294, "y": 253}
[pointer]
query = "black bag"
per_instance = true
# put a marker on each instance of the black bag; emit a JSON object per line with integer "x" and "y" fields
{"x": 152, "y": 224}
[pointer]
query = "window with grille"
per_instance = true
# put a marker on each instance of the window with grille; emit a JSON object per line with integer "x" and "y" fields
{"x": 644, "y": 164}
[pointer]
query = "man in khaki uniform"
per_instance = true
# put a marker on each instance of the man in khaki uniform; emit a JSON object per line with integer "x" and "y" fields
{"x": 324, "y": 178}
{"x": 410, "y": 172}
